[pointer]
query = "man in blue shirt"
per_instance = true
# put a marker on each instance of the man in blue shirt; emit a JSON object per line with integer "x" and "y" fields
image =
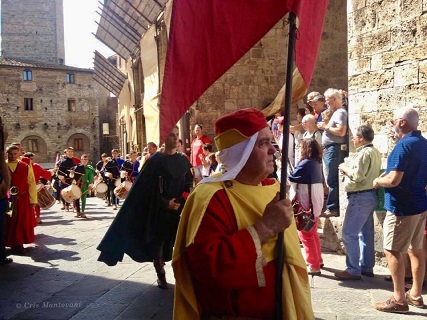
{"x": 406, "y": 203}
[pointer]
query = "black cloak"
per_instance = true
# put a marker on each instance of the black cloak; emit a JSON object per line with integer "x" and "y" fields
{"x": 141, "y": 219}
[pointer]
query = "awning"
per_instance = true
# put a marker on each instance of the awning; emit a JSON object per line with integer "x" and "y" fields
{"x": 107, "y": 74}
{"x": 123, "y": 22}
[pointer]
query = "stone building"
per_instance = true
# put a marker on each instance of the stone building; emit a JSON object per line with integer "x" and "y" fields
{"x": 33, "y": 30}
{"x": 47, "y": 105}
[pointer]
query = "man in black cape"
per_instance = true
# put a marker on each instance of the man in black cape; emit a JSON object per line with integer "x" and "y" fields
{"x": 146, "y": 225}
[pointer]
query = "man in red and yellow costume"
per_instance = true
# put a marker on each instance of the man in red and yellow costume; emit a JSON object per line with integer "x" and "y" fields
{"x": 20, "y": 225}
{"x": 224, "y": 255}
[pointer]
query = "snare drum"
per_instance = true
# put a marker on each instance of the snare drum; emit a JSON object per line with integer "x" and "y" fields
{"x": 101, "y": 189}
{"x": 71, "y": 193}
{"x": 121, "y": 191}
{"x": 44, "y": 197}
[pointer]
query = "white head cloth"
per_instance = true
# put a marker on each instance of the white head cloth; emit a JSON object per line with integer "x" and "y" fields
{"x": 234, "y": 159}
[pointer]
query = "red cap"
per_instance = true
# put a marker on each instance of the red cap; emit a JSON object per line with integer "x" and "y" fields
{"x": 238, "y": 126}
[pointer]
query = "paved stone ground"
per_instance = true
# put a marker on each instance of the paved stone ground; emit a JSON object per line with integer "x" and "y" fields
{"x": 62, "y": 279}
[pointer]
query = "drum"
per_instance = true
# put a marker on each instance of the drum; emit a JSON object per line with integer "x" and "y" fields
{"x": 71, "y": 193}
{"x": 122, "y": 190}
{"x": 101, "y": 189}
{"x": 44, "y": 197}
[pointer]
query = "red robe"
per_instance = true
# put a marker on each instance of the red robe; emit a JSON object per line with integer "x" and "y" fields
{"x": 222, "y": 269}
{"x": 235, "y": 289}
{"x": 39, "y": 172}
{"x": 20, "y": 225}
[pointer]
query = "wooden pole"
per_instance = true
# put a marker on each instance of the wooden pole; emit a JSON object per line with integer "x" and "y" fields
{"x": 286, "y": 110}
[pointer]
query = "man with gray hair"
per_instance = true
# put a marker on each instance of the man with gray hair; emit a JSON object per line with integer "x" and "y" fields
{"x": 334, "y": 142}
{"x": 310, "y": 127}
{"x": 405, "y": 200}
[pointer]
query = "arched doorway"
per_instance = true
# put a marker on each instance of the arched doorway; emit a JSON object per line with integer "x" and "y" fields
{"x": 38, "y": 146}
{"x": 81, "y": 144}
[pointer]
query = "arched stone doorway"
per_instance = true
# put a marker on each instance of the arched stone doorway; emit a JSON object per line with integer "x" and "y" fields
{"x": 81, "y": 144}
{"x": 38, "y": 146}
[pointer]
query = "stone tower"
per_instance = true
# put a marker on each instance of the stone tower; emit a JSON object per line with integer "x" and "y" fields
{"x": 33, "y": 30}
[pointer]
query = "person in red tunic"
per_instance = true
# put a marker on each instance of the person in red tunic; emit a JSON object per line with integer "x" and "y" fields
{"x": 197, "y": 149}
{"x": 225, "y": 250}
{"x": 20, "y": 224}
{"x": 39, "y": 173}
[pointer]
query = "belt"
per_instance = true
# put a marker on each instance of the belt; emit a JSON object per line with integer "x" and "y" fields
{"x": 362, "y": 191}
{"x": 332, "y": 144}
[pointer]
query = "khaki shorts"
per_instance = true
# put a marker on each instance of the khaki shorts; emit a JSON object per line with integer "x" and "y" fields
{"x": 404, "y": 232}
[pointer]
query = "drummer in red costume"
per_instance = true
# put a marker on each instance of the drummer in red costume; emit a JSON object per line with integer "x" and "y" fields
{"x": 20, "y": 225}
{"x": 39, "y": 173}
{"x": 224, "y": 254}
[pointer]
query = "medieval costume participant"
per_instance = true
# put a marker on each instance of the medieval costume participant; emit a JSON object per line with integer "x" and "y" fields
{"x": 65, "y": 173}
{"x": 146, "y": 225}
{"x": 23, "y": 198}
{"x": 131, "y": 166}
{"x": 85, "y": 183}
{"x": 112, "y": 173}
{"x": 224, "y": 256}
{"x": 39, "y": 173}
{"x": 79, "y": 173}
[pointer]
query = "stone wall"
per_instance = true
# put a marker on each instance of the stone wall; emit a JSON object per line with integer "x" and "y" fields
{"x": 387, "y": 62}
{"x": 386, "y": 70}
{"x": 50, "y": 122}
{"x": 33, "y": 30}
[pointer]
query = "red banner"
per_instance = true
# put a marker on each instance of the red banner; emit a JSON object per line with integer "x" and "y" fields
{"x": 208, "y": 37}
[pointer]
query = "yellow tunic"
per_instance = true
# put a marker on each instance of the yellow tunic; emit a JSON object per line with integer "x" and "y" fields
{"x": 295, "y": 280}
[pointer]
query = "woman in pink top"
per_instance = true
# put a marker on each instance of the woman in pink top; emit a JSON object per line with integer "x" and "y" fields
{"x": 197, "y": 149}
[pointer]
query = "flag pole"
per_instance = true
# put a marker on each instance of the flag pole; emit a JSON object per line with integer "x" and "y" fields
{"x": 285, "y": 143}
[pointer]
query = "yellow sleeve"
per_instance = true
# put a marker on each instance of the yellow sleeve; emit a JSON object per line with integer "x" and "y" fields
{"x": 32, "y": 185}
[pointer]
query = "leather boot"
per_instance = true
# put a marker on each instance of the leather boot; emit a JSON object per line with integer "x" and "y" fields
{"x": 161, "y": 273}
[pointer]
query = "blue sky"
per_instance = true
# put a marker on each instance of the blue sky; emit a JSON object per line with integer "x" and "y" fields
{"x": 79, "y": 24}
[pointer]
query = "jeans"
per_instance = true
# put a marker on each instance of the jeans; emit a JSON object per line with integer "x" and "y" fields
{"x": 332, "y": 157}
{"x": 358, "y": 232}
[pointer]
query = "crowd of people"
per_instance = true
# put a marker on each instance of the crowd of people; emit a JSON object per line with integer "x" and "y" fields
{"x": 218, "y": 216}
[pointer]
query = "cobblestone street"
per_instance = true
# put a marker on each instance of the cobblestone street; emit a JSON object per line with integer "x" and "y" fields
{"x": 60, "y": 278}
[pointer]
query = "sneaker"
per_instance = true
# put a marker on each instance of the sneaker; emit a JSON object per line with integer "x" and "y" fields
{"x": 415, "y": 302}
{"x": 330, "y": 213}
{"x": 344, "y": 275}
{"x": 368, "y": 274}
{"x": 391, "y": 305}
